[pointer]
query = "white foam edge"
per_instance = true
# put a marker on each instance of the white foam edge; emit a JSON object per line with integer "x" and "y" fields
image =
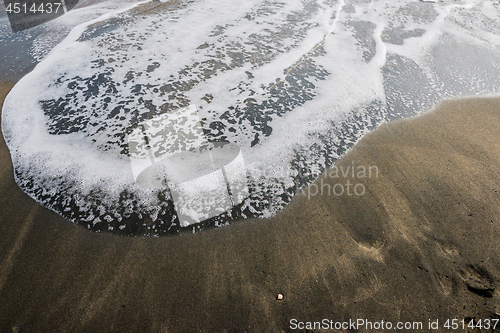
{"x": 16, "y": 126}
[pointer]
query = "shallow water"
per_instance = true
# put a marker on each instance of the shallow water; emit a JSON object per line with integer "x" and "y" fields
{"x": 293, "y": 84}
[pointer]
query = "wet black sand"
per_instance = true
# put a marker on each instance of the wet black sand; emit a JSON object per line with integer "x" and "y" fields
{"x": 421, "y": 243}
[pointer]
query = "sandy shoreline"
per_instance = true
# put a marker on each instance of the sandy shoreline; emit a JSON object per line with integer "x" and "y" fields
{"x": 420, "y": 244}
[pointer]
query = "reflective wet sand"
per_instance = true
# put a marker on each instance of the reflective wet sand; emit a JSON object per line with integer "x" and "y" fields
{"x": 419, "y": 244}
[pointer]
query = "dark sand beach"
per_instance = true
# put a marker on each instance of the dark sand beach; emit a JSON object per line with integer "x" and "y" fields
{"x": 421, "y": 244}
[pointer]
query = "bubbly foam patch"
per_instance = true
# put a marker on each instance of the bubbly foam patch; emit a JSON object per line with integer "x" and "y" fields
{"x": 293, "y": 84}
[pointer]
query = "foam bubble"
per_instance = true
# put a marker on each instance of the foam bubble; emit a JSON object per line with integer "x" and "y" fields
{"x": 293, "y": 85}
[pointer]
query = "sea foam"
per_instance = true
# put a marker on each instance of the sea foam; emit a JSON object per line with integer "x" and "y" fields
{"x": 293, "y": 84}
